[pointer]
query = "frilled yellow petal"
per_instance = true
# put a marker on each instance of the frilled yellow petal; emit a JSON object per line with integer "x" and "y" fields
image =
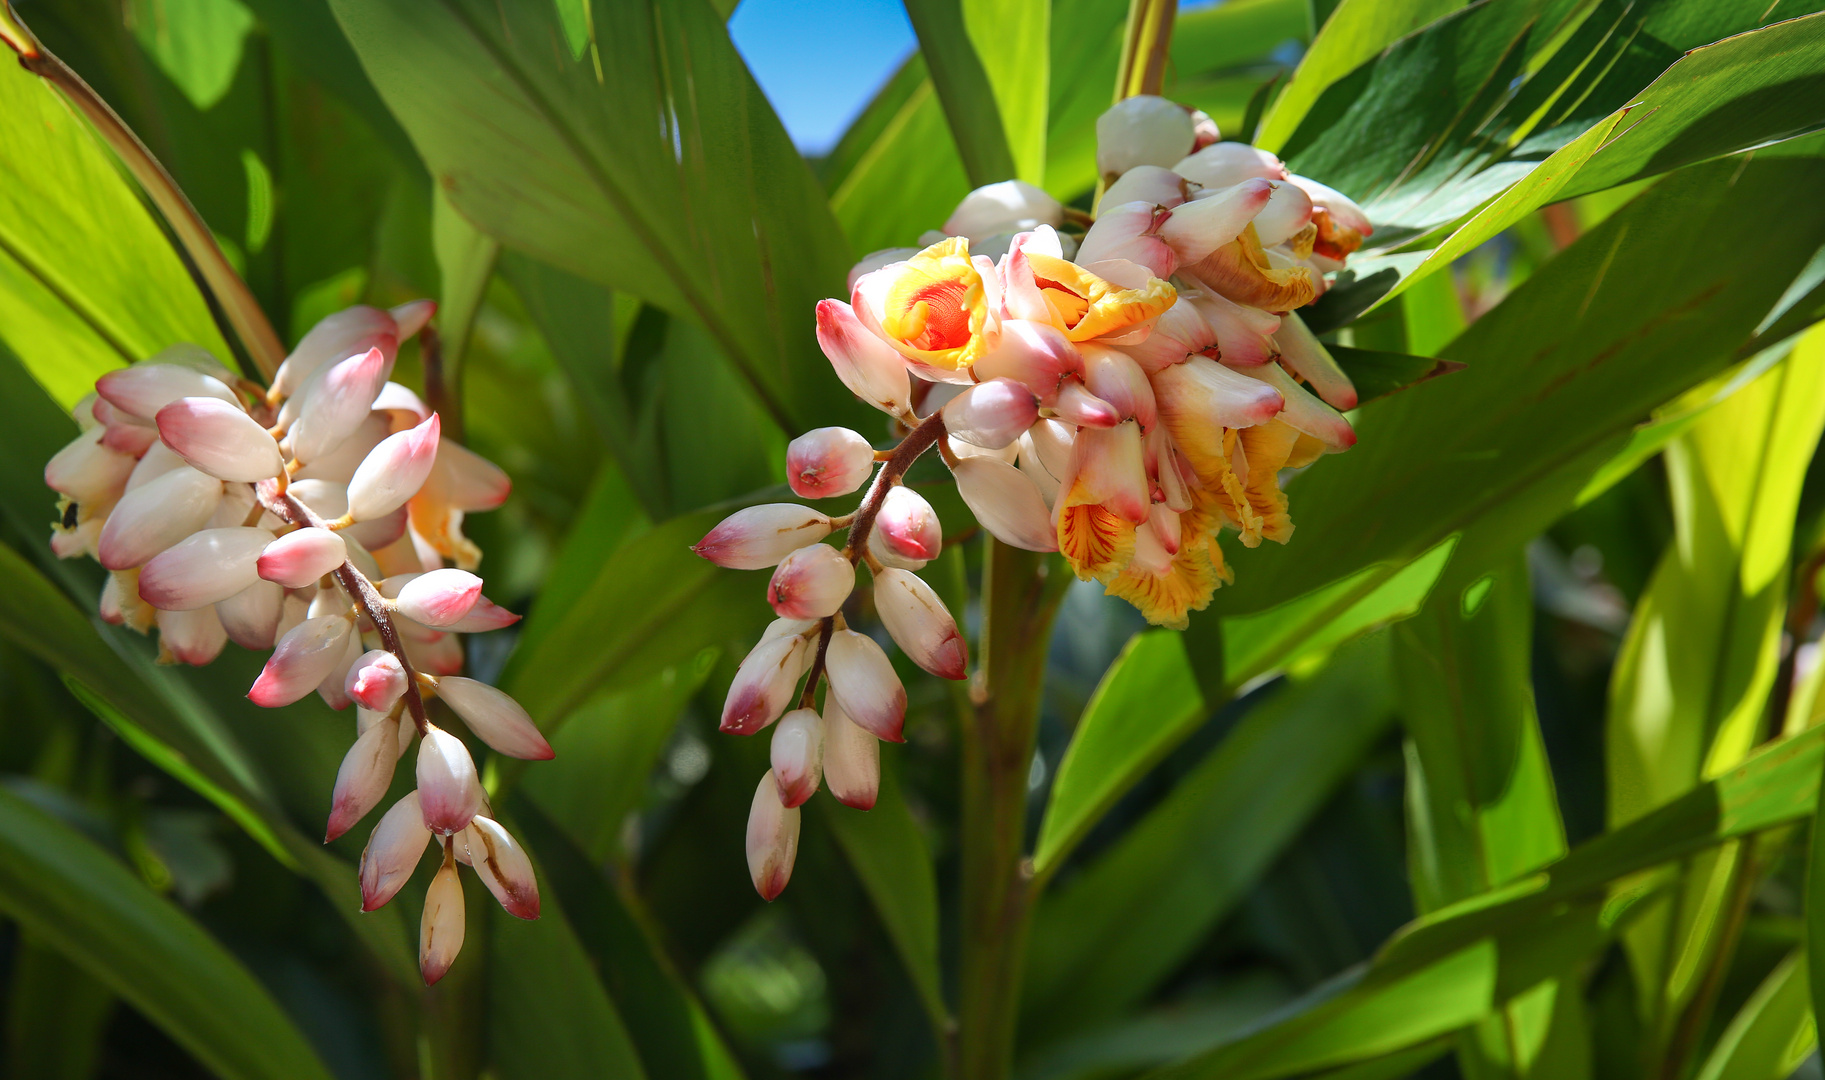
{"x": 1305, "y": 451}
{"x": 1266, "y": 447}
{"x": 933, "y": 307}
{"x": 1209, "y": 447}
{"x": 1240, "y": 271}
{"x": 1090, "y": 307}
{"x": 441, "y": 524}
{"x": 1195, "y": 573}
{"x": 1301, "y": 242}
{"x": 1096, "y": 542}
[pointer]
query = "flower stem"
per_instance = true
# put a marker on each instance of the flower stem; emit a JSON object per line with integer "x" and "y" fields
{"x": 1020, "y": 596}
{"x": 243, "y": 311}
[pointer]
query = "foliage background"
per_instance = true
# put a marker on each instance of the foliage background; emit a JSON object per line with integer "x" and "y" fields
{"x": 1596, "y": 542}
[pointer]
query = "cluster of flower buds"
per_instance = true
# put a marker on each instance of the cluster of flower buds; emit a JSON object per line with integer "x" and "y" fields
{"x": 1119, "y": 395}
{"x": 315, "y": 519}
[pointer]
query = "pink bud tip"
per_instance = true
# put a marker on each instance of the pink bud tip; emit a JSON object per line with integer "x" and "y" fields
{"x": 300, "y": 558}
{"x": 828, "y": 462}
{"x": 439, "y": 598}
{"x": 761, "y": 536}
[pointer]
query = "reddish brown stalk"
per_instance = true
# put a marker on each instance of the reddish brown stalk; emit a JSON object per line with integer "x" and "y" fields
{"x": 861, "y": 523}
{"x": 363, "y": 595}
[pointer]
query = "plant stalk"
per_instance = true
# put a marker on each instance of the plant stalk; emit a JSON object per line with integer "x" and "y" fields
{"x": 237, "y": 301}
{"x": 1020, "y": 596}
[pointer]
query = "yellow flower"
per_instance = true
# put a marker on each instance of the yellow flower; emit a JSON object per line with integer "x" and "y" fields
{"x": 1086, "y": 306}
{"x": 936, "y": 308}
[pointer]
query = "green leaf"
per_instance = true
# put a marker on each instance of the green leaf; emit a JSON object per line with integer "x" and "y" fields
{"x": 661, "y": 172}
{"x": 196, "y": 43}
{"x": 549, "y": 1017}
{"x": 1161, "y": 1036}
{"x": 57, "y": 1018}
{"x": 1773, "y": 1031}
{"x": 606, "y": 752}
{"x": 897, "y": 172}
{"x": 1013, "y": 39}
{"x": 87, "y": 280}
{"x": 652, "y": 604}
{"x": 1558, "y": 375}
{"x": 1356, "y": 31}
{"x": 79, "y": 900}
{"x": 1146, "y": 704}
{"x": 963, "y": 86}
{"x": 1377, "y": 374}
{"x": 888, "y": 851}
{"x": 1102, "y": 940}
{"x": 465, "y": 262}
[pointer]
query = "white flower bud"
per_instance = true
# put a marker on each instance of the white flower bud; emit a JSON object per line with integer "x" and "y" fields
{"x": 868, "y": 366}
{"x": 440, "y": 597}
{"x": 852, "y": 760}
{"x": 907, "y": 526}
{"x": 301, "y": 557}
{"x": 1113, "y": 376}
{"x": 1110, "y": 469}
{"x": 1142, "y": 130}
{"x": 143, "y": 389}
{"x": 827, "y": 462}
{"x": 151, "y": 518}
{"x": 251, "y": 616}
{"x": 346, "y": 333}
{"x": 377, "y": 681}
{"x": 761, "y": 536}
{"x": 1007, "y": 207}
{"x": 1205, "y": 392}
{"x": 1130, "y": 231}
{"x": 1150, "y": 184}
{"x": 772, "y": 840}
{"x": 1340, "y": 206}
{"x": 1301, "y": 350}
{"x": 220, "y": 439}
{"x": 332, "y": 688}
{"x": 764, "y": 683}
{"x": 393, "y": 851}
{"x": 448, "y": 790}
{"x": 811, "y": 583}
{"x": 1077, "y": 405}
{"x": 863, "y": 682}
{"x": 920, "y": 623}
{"x": 87, "y": 471}
{"x": 191, "y": 637}
{"x": 797, "y": 756}
{"x": 1227, "y": 164}
{"x": 1006, "y": 503}
{"x": 338, "y": 404}
{"x": 394, "y": 471}
{"x": 362, "y": 780}
{"x": 203, "y": 568}
{"x": 1288, "y": 210}
{"x": 496, "y": 718}
{"x": 1304, "y": 412}
{"x": 503, "y": 866}
{"x": 1036, "y": 355}
{"x": 1214, "y": 218}
{"x": 991, "y": 414}
{"x": 302, "y": 660}
{"x": 440, "y": 929}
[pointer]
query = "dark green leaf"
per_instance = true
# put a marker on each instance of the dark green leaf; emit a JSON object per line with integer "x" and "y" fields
{"x": 1378, "y": 374}
{"x": 964, "y": 87}
{"x": 1772, "y": 1033}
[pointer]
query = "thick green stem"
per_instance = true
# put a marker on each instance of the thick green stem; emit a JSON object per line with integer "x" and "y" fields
{"x": 1020, "y": 595}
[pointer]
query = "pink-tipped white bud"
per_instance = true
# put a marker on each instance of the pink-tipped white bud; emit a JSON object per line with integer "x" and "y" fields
{"x": 920, "y": 623}
{"x": 345, "y": 333}
{"x": 439, "y": 598}
{"x": 333, "y": 688}
{"x": 377, "y": 681}
{"x": 1142, "y": 130}
{"x": 496, "y": 718}
{"x": 863, "y": 682}
{"x": 203, "y": 568}
{"x": 991, "y": 414}
{"x": 1340, "y": 206}
{"x": 1077, "y": 405}
{"x": 440, "y": 928}
{"x": 191, "y": 637}
{"x": 1036, "y": 355}
{"x": 1227, "y": 164}
{"x": 143, "y": 389}
{"x": 1288, "y": 210}
{"x": 393, "y": 851}
{"x": 131, "y": 438}
{"x": 1300, "y": 350}
{"x": 764, "y": 683}
{"x": 852, "y": 760}
{"x": 761, "y": 536}
{"x": 220, "y": 439}
{"x": 1006, "y": 207}
{"x": 1130, "y": 231}
{"x": 1110, "y": 469}
{"x": 158, "y": 460}
{"x": 1007, "y": 503}
{"x": 1114, "y": 376}
{"x": 868, "y": 366}
{"x": 303, "y": 658}
{"x": 503, "y": 866}
{"x": 1148, "y": 184}
{"x": 484, "y": 616}
{"x": 908, "y": 526}
{"x": 338, "y": 404}
{"x": 362, "y": 780}
{"x": 394, "y": 471}
{"x": 797, "y": 756}
{"x": 1304, "y": 412}
{"x": 1214, "y": 218}
{"x": 448, "y": 790}
{"x": 151, "y": 518}
{"x": 301, "y": 557}
{"x": 828, "y": 462}
{"x": 772, "y": 840}
{"x": 1242, "y": 332}
{"x": 251, "y": 616}
{"x": 87, "y": 471}
{"x": 811, "y": 583}
{"x": 1203, "y": 392}
{"x": 1164, "y": 521}
{"x": 411, "y": 316}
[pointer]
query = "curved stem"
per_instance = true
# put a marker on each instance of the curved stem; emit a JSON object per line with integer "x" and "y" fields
{"x": 237, "y": 301}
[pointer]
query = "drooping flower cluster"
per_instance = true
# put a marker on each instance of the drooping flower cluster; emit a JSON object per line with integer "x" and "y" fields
{"x": 1119, "y": 395}
{"x": 314, "y": 519}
